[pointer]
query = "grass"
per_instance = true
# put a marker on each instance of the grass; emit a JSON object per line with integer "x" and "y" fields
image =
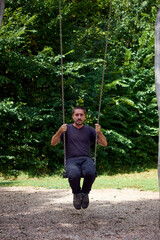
{"x": 144, "y": 181}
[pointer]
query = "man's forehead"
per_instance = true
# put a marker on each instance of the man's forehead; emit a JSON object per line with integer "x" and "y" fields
{"x": 79, "y": 111}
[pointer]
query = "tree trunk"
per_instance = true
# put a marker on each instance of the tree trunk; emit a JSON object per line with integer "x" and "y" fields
{"x": 2, "y": 5}
{"x": 157, "y": 84}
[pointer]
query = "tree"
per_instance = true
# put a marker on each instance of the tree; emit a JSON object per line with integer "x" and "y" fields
{"x": 30, "y": 85}
{"x": 157, "y": 77}
{"x": 2, "y": 5}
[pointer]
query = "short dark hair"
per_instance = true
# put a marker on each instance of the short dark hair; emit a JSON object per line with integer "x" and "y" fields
{"x": 79, "y": 107}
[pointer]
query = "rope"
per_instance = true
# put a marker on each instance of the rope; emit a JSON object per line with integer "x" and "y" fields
{"x": 62, "y": 81}
{"x": 103, "y": 72}
{"x": 102, "y": 83}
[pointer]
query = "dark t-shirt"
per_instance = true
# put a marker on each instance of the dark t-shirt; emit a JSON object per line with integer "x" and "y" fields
{"x": 78, "y": 140}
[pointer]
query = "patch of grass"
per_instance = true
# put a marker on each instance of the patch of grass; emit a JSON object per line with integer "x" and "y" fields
{"x": 144, "y": 181}
{"x": 23, "y": 180}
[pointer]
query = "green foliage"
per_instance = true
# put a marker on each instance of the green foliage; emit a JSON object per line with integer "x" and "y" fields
{"x": 30, "y": 81}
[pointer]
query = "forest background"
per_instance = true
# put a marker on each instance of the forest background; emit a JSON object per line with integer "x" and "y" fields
{"x": 30, "y": 82}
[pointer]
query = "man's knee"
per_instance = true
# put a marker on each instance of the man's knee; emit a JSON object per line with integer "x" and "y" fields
{"x": 90, "y": 173}
{"x": 73, "y": 173}
{"x": 88, "y": 168}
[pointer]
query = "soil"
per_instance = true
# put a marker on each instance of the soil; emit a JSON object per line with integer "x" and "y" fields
{"x": 28, "y": 213}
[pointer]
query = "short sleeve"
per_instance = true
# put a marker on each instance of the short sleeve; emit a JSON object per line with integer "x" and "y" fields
{"x": 93, "y": 134}
{"x": 61, "y": 137}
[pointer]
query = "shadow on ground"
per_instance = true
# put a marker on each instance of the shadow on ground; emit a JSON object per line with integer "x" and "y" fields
{"x": 30, "y": 214}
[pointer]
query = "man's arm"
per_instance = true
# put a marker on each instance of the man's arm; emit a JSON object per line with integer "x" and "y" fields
{"x": 101, "y": 138}
{"x": 56, "y": 138}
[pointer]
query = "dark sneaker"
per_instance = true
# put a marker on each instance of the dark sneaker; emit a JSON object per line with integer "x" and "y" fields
{"x": 77, "y": 200}
{"x": 85, "y": 200}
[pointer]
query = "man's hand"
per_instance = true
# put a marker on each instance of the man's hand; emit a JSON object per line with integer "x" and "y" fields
{"x": 63, "y": 128}
{"x": 97, "y": 128}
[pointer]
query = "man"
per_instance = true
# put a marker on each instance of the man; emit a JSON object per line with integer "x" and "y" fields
{"x": 78, "y": 161}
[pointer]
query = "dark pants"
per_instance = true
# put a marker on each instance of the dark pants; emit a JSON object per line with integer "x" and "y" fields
{"x": 78, "y": 167}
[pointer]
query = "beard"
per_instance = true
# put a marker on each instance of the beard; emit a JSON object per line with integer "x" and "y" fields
{"x": 79, "y": 122}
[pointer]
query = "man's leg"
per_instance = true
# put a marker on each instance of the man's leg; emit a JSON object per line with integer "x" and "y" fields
{"x": 74, "y": 177}
{"x": 89, "y": 173}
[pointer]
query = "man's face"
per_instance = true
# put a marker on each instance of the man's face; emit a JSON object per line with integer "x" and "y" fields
{"x": 78, "y": 116}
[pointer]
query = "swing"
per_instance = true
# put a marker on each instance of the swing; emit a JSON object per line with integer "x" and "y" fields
{"x": 62, "y": 84}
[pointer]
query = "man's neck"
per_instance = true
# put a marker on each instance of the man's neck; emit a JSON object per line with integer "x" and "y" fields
{"x": 78, "y": 126}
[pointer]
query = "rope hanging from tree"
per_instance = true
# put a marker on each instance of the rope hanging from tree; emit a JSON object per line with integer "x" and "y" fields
{"x": 103, "y": 72}
{"x": 62, "y": 80}
{"x": 102, "y": 82}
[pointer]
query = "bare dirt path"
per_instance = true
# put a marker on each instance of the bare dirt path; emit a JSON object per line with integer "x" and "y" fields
{"x": 28, "y": 213}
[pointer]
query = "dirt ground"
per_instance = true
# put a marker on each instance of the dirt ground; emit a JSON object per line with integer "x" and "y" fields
{"x": 28, "y": 213}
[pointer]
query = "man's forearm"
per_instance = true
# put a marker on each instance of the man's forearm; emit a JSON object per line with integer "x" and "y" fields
{"x": 56, "y": 138}
{"x": 102, "y": 139}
